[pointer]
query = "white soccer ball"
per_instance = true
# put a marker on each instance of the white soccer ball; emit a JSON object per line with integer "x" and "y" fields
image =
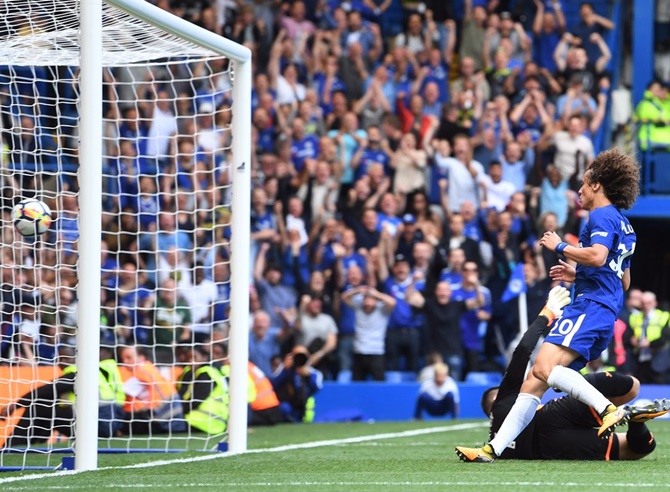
{"x": 31, "y": 217}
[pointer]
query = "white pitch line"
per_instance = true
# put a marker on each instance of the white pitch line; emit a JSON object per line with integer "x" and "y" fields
{"x": 341, "y": 484}
{"x": 277, "y": 449}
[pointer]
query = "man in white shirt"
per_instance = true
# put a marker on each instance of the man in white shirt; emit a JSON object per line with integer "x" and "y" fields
{"x": 497, "y": 192}
{"x": 162, "y": 130}
{"x": 439, "y": 396}
{"x": 574, "y": 150}
{"x": 463, "y": 172}
{"x": 372, "y": 311}
{"x": 201, "y": 296}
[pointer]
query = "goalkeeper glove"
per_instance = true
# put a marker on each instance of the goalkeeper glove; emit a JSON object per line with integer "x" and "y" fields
{"x": 558, "y": 298}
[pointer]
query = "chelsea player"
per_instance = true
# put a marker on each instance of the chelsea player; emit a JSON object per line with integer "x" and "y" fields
{"x": 584, "y": 330}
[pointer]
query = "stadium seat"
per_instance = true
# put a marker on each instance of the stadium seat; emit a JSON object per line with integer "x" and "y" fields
{"x": 484, "y": 378}
{"x": 400, "y": 377}
{"x": 657, "y": 172}
{"x": 344, "y": 376}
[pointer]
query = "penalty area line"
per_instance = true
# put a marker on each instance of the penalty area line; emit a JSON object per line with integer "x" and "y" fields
{"x": 277, "y": 449}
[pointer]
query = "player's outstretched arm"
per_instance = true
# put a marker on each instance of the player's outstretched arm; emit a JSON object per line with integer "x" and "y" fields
{"x": 593, "y": 256}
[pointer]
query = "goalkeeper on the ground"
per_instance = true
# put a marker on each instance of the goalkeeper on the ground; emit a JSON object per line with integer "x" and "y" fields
{"x": 566, "y": 428}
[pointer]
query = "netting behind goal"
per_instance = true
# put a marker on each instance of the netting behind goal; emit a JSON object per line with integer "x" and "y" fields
{"x": 165, "y": 255}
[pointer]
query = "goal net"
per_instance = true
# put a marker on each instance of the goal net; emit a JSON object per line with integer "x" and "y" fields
{"x": 167, "y": 176}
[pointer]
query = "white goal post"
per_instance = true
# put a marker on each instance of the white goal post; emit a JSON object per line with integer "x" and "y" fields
{"x": 100, "y": 46}
{"x": 91, "y": 121}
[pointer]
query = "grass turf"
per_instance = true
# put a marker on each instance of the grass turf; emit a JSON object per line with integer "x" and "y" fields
{"x": 414, "y": 462}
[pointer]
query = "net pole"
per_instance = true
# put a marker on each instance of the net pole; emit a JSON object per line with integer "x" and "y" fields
{"x": 238, "y": 348}
{"x": 90, "y": 211}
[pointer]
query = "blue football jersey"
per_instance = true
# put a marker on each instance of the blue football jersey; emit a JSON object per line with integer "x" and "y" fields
{"x": 606, "y": 226}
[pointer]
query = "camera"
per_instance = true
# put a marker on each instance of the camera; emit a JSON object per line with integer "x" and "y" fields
{"x": 299, "y": 360}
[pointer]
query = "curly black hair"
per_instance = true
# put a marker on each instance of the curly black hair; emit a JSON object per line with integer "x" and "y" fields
{"x": 619, "y": 175}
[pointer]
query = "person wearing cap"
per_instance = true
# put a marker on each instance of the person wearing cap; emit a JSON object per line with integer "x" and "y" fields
{"x": 274, "y": 296}
{"x": 409, "y": 236}
{"x": 402, "y": 338}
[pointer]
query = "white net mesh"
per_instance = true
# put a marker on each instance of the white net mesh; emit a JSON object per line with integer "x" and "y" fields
{"x": 166, "y": 223}
{"x": 46, "y": 32}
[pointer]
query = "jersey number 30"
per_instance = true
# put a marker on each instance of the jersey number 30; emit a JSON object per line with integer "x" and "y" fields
{"x": 625, "y": 253}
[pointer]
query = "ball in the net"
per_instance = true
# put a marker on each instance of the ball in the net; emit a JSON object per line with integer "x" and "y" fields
{"x": 31, "y": 217}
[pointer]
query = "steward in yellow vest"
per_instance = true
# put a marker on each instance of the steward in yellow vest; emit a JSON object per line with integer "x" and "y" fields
{"x": 50, "y": 408}
{"x": 653, "y": 117}
{"x": 204, "y": 393}
{"x": 262, "y": 399}
{"x": 111, "y": 396}
{"x": 648, "y": 335}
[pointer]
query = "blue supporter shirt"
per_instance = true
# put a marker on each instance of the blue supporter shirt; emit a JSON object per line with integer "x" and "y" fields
{"x": 125, "y": 185}
{"x": 353, "y": 259}
{"x": 472, "y": 329}
{"x": 266, "y": 139}
{"x": 111, "y": 267}
{"x": 138, "y": 317}
{"x": 440, "y": 75}
{"x": 545, "y": 45}
{"x": 222, "y": 302}
{"x": 347, "y": 324}
{"x": 140, "y": 138}
{"x": 609, "y": 227}
{"x": 255, "y": 100}
{"x": 307, "y": 148}
{"x": 288, "y": 276}
{"x": 472, "y": 230}
{"x": 402, "y": 315}
{"x": 391, "y": 223}
{"x": 262, "y": 351}
{"x": 68, "y": 229}
{"x": 319, "y": 83}
{"x": 184, "y": 175}
{"x": 455, "y": 279}
{"x": 370, "y": 156}
{"x": 168, "y": 239}
{"x": 148, "y": 207}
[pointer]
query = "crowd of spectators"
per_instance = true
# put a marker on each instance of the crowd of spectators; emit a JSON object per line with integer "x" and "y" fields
{"x": 406, "y": 173}
{"x": 405, "y": 159}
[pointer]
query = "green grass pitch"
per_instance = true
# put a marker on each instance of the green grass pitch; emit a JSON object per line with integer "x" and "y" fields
{"x": 398, "y": 456}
